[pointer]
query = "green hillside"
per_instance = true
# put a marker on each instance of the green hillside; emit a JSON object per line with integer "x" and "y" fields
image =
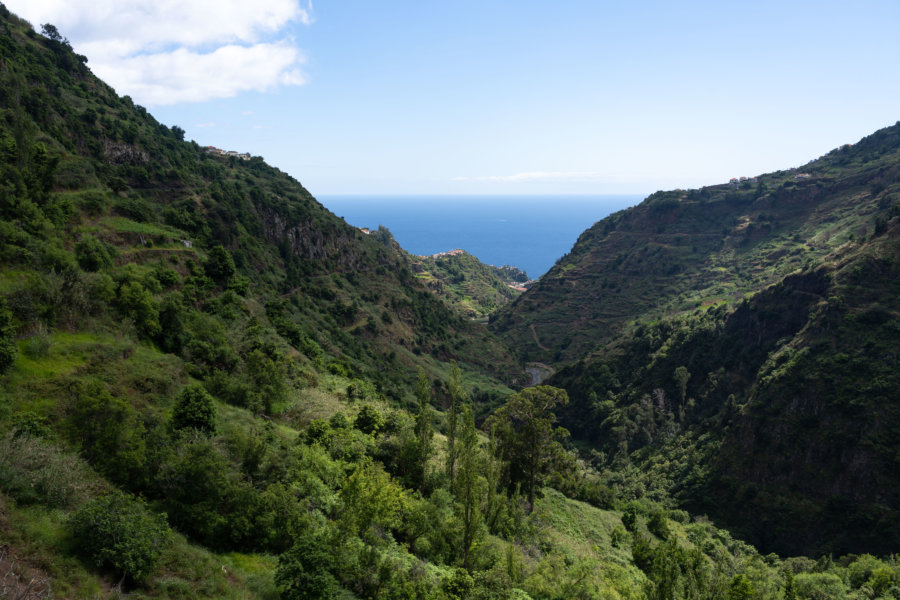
{"x": 744, "y": 348}
{"x": 463, "y": 281}
{"x": 682, "y": 250}
{"x": 95, "y": 188}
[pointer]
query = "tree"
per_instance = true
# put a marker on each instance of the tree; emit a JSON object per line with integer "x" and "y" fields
{"x": 91, "y": 254}
{"x": 740, "y": 588}
{"x": 302, "y": 571}
{"x": 371, "y": 501}
{"x": 108, "y": 431}
{"x": 51, "y": 32}
{"x": 219, "y": 265}
{"x": 658, "y": 525}
{"x": 681, "y": 377}
{"x": 8, "y": 349}
{"x": 470, "y": 485}
{"x": 118, "y": 531}
{"x": 526, "y": 436}
{"x": 195, "y": 409}
{"x": 369, "y": 420}
{"x": 424, "y": 430}
{"x": 790, "y": 590}
{"x": 457, "y": 395}
{"x": 137, "y": 303}
{"x": 178, "y": 132}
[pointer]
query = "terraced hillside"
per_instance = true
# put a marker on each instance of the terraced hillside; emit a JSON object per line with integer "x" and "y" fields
{"x": 681, "y": 250}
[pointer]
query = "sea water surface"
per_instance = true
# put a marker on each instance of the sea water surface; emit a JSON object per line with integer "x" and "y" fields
{"x": 529, "y": 232}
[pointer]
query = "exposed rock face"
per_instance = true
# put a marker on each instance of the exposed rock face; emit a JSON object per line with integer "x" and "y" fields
{"x": 120, "y": 153}
{"x": 308, "y": 241}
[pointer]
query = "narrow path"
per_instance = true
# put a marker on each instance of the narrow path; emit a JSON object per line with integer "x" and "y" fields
{"x": 536, "y": 340}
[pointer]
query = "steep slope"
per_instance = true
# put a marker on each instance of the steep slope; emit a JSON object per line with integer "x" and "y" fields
{"x": 92, "y": 182}
{"x": 680, "y": 250}
{"x": 776, "y": 413}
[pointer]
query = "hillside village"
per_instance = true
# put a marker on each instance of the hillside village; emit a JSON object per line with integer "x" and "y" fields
{"x": 226, "y": 153}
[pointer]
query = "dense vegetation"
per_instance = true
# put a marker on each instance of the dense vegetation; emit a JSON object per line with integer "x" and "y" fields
{"x": 213, "y": 388}
{"x": 744, "y": 348}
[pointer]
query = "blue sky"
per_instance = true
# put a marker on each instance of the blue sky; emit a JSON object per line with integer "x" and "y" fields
{"x": 500, "y": 97}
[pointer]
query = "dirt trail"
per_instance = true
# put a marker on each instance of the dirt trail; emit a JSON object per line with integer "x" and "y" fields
{"x": 536, "y": 340}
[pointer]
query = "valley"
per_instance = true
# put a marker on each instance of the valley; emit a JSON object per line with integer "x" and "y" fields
{"x": 213, "y": 387}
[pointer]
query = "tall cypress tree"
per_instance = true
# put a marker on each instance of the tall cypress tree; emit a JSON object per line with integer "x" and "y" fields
{"x": 470, "y": 484}
{"x": 424, "y": 431}
{"x": 457, "y": 395}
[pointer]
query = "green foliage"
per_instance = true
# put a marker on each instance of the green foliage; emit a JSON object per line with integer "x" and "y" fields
{"x": 476, "y": 289}
{"x": 618, "y": 537}
{"x": 371, "y": 502}
{"x": 138, "y": 304}
{"x": 790, "y": 590}
{"x": 119, "y": 532}
{"x": 303, "y": 571}
{"x": 302, "y": 308}
{"x": 91, "y": 254}
{"x": 195, "y": 409}
{"x": 470, "y": 487}
{"x": 526, "y": 436}
{"x": 629, "y": 519}
{"x": 8, "y": 348}
{"x": 424, "y": 430}
{"x": 108, "y": 432}
{"x": 821, "y": 586}
{"x": 219, "y": 265}
{"x": 457, "y": 395}
{"x": 195, "y": 483}
{"x": 740, "y": 588}
{"x": 658, "y": 524}
{"x": 34, "y": 470}
{"x": 369, "y": 420}
{"x": 459, "y": 585}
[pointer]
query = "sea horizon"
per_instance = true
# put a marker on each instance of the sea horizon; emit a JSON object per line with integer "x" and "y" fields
{"x": 528, "y": 231}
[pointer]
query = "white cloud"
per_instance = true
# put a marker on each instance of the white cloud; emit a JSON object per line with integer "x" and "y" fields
{"x": 187, "y": 76}
{"x": 170, "y": 51}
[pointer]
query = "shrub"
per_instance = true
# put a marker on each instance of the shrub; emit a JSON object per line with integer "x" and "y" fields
{"x": 8, "y": 347}
{"x": 303, "y": 570}
{"x": 821, "y": 586}
{"x": 369, "y": 420}
{"x": 195, "y": 409}
{"x": 93, "y": 202}
{"x": 34, "y": 470}
{"x": 618, "y": 537}
{"x": 91, "y": 254}
{"x": 219, "y": 265}
{"x": 317, "y": 431}
{"x": 109, "y": 432}
{"x": 658, "y": 524}
{"x": 117, "y": 531}
{"x": 629, "y": 519}
{"x": 137, "y": 302}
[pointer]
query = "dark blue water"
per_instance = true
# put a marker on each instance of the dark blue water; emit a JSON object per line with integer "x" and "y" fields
{"x": 529, "y": 232}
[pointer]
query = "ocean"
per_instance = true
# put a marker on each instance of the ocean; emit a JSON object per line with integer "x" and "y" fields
{"x": 529, "y": 232}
